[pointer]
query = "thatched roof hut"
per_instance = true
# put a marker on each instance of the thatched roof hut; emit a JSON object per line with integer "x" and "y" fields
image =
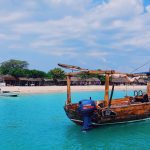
{"x": 88, "y": 81}
{"x": 76, "y": 80}
{"x": 30, "y": 81}
{"x": 120, "y": 81}
{"x": 141, "y": 81}
{"x": 23, "y": 79}
{"x": 8, "y": 78}
{"x": 92, "y": 81}
{"x": 35, "y": 79}
{"x": 62, "y": 82}
{"x": 48, "y": 82}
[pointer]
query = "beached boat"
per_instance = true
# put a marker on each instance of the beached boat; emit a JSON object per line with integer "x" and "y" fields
{"x": 89, "y": 113}
{"x": 9, "y": 93}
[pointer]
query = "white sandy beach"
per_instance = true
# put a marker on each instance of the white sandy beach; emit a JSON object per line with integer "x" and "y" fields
{"x": 58, "y": 89}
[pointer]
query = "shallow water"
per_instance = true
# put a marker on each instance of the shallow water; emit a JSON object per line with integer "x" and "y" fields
{"x": 38, "y": 122}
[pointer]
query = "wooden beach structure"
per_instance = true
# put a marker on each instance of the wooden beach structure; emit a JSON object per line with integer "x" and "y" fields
{"x": 89, "y": 113}
{"x": 8, "y": 80}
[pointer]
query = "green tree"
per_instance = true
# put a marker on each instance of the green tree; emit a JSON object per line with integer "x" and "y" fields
{"x": 17, "y": 72}
{"x": 36, "y": 74}
{"x": 18, "y": 68}
{"x": 27, "y": 73}
{"x": 56, "y": 73}
{"x": 102, "y": 80}
{"x": 7, "y": 67}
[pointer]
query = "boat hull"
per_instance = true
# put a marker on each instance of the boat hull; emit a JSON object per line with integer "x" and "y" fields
{"x": 80, "y": 122}
{"x": 123, "y": 114}
{"x": 10, "y": 95}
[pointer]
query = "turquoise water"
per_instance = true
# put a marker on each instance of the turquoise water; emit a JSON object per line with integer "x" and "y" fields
{"x": 38, "y": 122}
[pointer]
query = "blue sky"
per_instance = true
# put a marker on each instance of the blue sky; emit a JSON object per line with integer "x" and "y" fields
{"x": 105, "y": 34}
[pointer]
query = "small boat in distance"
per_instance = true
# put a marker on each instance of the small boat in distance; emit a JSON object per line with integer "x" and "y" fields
{"x": 9, "y": 93}
{"x": 89, "y": 113}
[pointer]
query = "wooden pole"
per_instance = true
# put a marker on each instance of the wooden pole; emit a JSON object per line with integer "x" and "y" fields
{"x": 148, "y": 89}
{"x": 106, "y": 98}
{"x": 68, "y": 90}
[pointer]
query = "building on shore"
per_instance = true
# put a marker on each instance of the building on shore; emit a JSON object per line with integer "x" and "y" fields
{"x": 120, "y": 81}
{"x": 49, "y": 82}
{"x": 88, "y": 81}
{"x": 125, "y": 81}
{"x": 23, "y": 81}
{"x": 8, "y": 80}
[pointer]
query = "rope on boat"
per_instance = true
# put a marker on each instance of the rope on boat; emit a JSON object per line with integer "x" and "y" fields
{"x": 141, "y": 66}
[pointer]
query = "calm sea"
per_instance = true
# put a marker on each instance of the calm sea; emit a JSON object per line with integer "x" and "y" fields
{"x": 38, "y": 122}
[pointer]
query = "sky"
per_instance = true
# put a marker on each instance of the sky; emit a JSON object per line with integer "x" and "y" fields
{"x": 94, "y": 34}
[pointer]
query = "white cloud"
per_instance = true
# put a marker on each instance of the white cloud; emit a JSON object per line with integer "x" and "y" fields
{"x": 4, "y": 37}
{"x": 15, "y": 46}
{"x": 95, "y": 20}
{"x": 73, "y": 4}
{"x": 148, "y": 8}
{"x": 45, "y": 43}
{"x": 59, "y": 52}
{"x": 68, "y": 2}
{"x": 74, "y": 28}
{"x": 12, "y": 17}
{"x": 96, "y": 53}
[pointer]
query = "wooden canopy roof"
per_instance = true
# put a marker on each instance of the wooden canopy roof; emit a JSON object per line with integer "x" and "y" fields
{"x": 80, "y": 70}
{"x": 120, "y": 80}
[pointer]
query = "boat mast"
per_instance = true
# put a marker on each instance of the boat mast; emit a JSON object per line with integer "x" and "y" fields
{"x": 106, "y": 97}
{"x": 68, "y": 90}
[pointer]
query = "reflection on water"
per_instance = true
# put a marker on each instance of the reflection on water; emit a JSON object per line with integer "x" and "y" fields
{"x": 122, "y": 136}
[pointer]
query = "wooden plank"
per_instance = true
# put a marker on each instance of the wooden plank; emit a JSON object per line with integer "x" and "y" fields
{"x": 68, "y": 90}
{"x": 106, "y": 97}
{"x": 102, "y": 72}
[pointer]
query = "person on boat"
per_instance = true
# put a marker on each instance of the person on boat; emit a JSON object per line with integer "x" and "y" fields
{"x": 145, "y": 98}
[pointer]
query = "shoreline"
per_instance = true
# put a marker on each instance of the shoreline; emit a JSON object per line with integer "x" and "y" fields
{"x": 62, "y": 89}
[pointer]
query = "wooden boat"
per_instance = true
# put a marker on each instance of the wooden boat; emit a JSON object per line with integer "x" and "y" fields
{"x": 89, "y": 113}
{"x": 9, "y": 93}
